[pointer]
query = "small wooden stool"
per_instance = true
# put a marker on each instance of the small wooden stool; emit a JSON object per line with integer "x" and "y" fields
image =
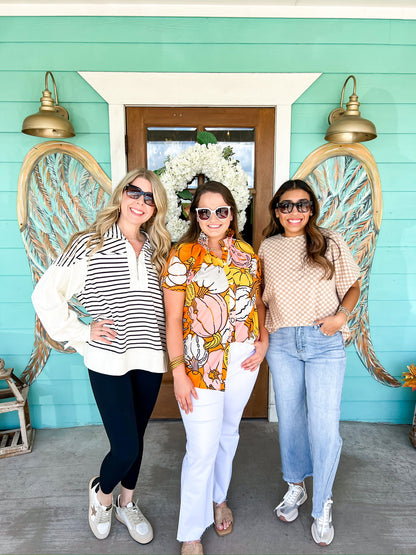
{"x": 20, "y": 440}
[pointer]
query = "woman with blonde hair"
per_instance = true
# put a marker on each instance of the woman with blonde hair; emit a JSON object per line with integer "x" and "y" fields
{"x": 113, "y": 269}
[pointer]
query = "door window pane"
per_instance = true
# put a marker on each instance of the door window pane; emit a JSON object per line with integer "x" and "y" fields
{"x": 242, "y": 142}
{"x": 167, "y": 141}
{"x": 170, "y": 141}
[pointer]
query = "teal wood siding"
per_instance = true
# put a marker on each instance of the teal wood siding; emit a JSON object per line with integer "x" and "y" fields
{"x": 380, "y": 53}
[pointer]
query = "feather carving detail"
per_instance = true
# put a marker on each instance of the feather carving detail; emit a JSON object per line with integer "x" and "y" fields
{"x": 61, "y": 188}
{"x": 346, "y": 181}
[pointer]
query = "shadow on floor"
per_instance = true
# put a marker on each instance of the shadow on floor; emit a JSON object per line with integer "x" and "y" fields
{"x": 44, "y": 496}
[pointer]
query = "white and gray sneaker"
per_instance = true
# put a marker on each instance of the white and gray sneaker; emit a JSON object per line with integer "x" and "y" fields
{"x": 322, "y": 528}
{"x": 99, "y": 516}
{"x": 138, "y": 526}
{"x": 295, "y": 496}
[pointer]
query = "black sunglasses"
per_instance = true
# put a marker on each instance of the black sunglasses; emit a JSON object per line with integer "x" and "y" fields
{"x": 204, "y": 214}
{"x": 302, "y": 206}
{"x": 135, "y": 193}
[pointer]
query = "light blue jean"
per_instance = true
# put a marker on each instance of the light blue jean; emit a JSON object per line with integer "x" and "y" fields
{"x": 308, "y": 373}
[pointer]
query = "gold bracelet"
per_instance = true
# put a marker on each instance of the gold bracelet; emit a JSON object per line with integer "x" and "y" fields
{"x": 177, "y": 361}
{"x": 179, "y": 358}
{"x": 344, "y": 311}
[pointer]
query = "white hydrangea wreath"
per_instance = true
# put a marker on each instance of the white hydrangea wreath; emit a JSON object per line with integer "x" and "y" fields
{"x": 209, "y": 160}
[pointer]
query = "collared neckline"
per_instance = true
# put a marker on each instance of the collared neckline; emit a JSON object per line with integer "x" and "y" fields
{"x": 114, "y": 232}
{"x": 224, "y": 243}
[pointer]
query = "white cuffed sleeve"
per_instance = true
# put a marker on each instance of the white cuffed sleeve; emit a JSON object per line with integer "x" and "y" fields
{"x": 50, "y": 299}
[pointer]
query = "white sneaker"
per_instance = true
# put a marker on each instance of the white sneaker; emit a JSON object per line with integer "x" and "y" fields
{"x": 295, "y": 496}
{"x": 139, "y": 527}
{"x": 99, "y": 516}
{"x": 322, "y": 528}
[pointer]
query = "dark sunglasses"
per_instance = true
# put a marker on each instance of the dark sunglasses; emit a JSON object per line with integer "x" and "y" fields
{"x": 204, "y": 214}
{"x": 302, "y": 206}
{"x": 135, "y": 193}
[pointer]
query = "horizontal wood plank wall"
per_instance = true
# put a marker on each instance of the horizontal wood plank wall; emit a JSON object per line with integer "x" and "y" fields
{"x": 380, "y": 53}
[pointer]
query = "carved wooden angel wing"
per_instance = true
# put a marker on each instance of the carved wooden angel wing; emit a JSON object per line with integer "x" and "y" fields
{"x": 347, "y": 183}
{"x": 61, "y": 188}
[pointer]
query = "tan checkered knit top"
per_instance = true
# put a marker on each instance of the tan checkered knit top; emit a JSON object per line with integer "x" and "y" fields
{"x": 295, "y": 291}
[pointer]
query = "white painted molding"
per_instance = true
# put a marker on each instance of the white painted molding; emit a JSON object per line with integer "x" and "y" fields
{"x": 117, "y": 122}
{"x": 279, "y": 90}
{"x": 362, "y": 9}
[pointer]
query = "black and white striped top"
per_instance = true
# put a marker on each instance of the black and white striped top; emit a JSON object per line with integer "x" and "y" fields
{"x": 113, "y": 284}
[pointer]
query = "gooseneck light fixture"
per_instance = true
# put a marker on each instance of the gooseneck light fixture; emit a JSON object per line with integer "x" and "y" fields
{"x": 51, "y": 121}
{"x": 347, "y": 126}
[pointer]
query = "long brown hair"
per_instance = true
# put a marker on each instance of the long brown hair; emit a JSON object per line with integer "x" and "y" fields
{"x": 155, "y": 227}
{"x": 316, "y": 241}
{"x": 191, "y": 236}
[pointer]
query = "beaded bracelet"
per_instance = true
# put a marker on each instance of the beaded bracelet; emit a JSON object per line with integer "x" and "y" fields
{"x": 176, "y": 362}
{"x": 344, "y": 311}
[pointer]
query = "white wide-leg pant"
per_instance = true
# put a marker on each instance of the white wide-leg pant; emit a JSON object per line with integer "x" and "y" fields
{"x": 211, "y": 442}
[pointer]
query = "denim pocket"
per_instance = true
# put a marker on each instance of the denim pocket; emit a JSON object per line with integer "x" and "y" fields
{"x": 337, "y": 333}
{"x": 330, "y": 342}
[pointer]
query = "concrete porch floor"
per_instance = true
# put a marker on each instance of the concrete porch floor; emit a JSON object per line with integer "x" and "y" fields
{"x": 44, "y": 497}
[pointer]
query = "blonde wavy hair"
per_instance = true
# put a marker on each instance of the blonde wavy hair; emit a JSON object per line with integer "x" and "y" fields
{"x": 155, "y": 227}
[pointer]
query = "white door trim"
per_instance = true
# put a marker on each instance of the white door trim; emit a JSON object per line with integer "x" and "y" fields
{"x": 121, "y": 89}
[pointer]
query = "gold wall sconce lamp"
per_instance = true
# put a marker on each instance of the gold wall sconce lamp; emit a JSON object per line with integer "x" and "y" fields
{"x": 51, "y": 121}
{"x": 347, "y": 126}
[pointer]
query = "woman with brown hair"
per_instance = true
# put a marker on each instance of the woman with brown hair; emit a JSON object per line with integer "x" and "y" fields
{"x": 216, "y": 341}
{"x": 113, "y": 268}
{"x": 310, "y": 289}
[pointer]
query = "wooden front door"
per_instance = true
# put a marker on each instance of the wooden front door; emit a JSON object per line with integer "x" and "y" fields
{"x": 151, "y": 132}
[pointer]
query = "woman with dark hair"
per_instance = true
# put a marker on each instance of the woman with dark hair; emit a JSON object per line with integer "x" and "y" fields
{"x": 113, "y": 268}
{"x": 310, "y": 288}
{"x": 216, "y": 341}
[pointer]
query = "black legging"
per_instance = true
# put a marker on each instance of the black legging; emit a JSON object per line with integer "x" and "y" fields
{"x": 125, "y": 404}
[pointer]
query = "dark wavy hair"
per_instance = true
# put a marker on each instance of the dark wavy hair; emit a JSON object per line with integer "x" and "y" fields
{"x": 192, "y": 235}
{"x": 316, "y": 241}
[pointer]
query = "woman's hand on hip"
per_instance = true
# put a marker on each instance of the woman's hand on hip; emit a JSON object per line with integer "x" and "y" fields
{"x": 101, "y": 331}
{"x": 331, "y": 324}
{"x": 184, "y": 390}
